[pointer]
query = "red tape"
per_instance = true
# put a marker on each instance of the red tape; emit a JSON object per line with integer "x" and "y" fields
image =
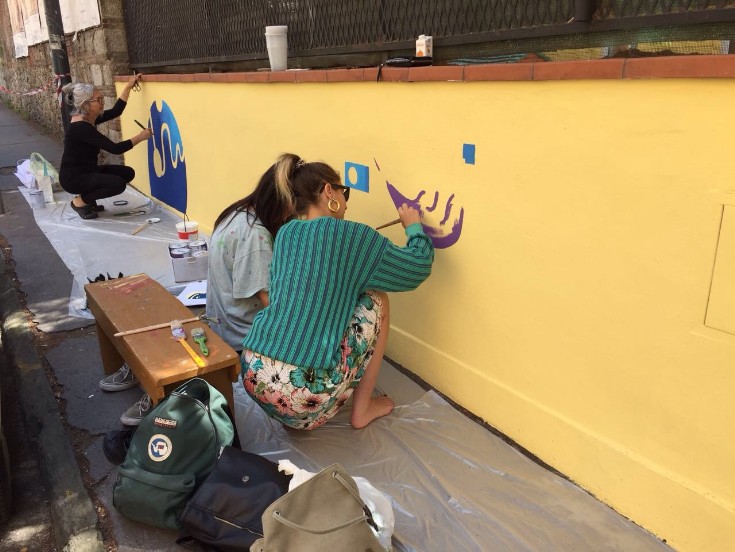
{"x": 55, "y": 81}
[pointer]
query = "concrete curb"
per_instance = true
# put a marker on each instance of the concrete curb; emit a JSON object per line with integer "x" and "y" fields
{"x": 73, "y": 516}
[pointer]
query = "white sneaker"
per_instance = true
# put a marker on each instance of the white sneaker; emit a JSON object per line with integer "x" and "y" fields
{"x": 133, "y": 415}
{"x": 120, "y": 380}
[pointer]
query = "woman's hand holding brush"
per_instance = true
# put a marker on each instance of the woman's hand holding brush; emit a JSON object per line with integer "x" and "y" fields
{"x": 406, "y": 215}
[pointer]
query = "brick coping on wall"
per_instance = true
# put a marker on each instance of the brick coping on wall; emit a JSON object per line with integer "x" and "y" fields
{"x": 705, "y": 66}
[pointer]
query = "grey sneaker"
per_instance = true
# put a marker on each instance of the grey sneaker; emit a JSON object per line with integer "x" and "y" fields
{"x": 133, "y": 415}
{"x": 120, "y": 380}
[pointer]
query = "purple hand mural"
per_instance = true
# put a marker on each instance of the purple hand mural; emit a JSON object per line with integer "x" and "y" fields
{"x": 438, "y": 234}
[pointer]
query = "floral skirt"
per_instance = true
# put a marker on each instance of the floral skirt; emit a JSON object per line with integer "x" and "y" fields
{"x": 305, "y": 398}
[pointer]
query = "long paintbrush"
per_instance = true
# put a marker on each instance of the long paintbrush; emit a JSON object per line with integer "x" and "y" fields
{"x": 391, "y": 223}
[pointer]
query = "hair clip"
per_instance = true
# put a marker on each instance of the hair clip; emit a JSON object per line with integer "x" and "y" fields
{"x": 300, "y": 163}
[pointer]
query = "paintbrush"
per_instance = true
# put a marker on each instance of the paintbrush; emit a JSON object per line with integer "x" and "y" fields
{"x": 159, "y": 326}
{"x": 391, "y": 223}
{"x": 177, "y": 330}
{"x": 137, "y": 122}
{"x": 198, "y": 335}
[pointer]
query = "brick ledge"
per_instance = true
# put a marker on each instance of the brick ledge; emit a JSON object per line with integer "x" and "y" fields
{"x": 709, "y": 66}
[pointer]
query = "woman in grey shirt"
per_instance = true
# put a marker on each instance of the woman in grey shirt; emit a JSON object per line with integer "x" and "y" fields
{"x": 240, "y": 253}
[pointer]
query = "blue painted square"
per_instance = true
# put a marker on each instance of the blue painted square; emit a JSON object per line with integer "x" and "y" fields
{"x": 468, "y": 153}
{"x": 357, "y": 176}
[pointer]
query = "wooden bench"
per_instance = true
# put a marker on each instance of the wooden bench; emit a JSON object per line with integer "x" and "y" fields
{"x": 157, "y": 360}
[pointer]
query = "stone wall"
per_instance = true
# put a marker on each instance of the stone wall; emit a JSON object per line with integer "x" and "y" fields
{"x": 96, "y": 55}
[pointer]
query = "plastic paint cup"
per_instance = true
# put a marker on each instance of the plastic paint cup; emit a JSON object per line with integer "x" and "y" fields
{"x": 36, "y": 199}
{"x": 188, "y": 230}
{"x": 276, "y": 41}
{"x": 45, "y": 185}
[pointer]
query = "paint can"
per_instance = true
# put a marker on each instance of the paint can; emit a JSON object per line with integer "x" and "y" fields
{"x": 180, "y": 253}
{"x": 188, "y": 230}
{"x": 202, "y": 253}
{"x": 198, "y": 245}
{"x": 36, "y": 199}
{"x": 178, "y": 245}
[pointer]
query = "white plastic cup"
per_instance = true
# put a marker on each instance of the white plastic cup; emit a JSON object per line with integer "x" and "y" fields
{"x": 188, "y": 230}
{"x": 36, "y": 199}
{"x": 276, "y": 40}
{"x": 45, "y": 185}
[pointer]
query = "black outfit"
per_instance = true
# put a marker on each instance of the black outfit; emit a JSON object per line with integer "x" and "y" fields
{"x": 79, "y": 172}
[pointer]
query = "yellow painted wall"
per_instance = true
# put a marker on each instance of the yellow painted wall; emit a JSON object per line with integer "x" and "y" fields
{"x": 571, "y": 313}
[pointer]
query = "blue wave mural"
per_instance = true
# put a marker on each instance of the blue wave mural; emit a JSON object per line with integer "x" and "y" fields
{"x": 166, "y": 159}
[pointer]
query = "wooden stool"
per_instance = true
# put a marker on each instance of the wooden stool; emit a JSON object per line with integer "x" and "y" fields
{"x": 157, "y": 360}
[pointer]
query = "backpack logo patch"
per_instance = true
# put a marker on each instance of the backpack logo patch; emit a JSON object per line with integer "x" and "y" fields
{"x": 159, "y": 448}
{"x": 165, "y": 423}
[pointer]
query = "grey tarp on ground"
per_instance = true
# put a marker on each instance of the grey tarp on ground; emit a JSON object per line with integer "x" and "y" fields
{"x": 454, "y": 485}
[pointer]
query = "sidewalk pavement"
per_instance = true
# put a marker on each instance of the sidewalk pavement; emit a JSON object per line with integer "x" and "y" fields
{"x": 68, "y": 418}
{"x": 46, "y": 280}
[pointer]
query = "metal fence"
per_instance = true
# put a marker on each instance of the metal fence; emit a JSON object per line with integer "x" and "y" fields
{"x": 175, "y": 32}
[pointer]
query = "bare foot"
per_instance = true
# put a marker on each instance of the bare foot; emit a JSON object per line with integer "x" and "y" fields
{"x": 378, "y": 407}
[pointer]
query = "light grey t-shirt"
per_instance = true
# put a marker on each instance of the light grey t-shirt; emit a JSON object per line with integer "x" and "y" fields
{"x": 240, "y": 253}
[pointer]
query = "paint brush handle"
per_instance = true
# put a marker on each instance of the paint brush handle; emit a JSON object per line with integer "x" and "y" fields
{"x": 154, "y": 327}
{"x": 195, "y": 357}
{"x": 387, "y": 224}
{"x": 139, "y": 228}
{"x": 137, "y": 122}
{"x": 202, "y": 345}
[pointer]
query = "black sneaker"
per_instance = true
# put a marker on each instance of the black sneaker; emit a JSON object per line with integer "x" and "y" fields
{"x": 85, "y": 212}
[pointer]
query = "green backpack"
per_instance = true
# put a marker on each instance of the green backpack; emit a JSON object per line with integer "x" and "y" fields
{"x": 173, "y": 450}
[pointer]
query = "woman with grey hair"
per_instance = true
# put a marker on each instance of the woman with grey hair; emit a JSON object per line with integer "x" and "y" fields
{"x": 79, "y": 173}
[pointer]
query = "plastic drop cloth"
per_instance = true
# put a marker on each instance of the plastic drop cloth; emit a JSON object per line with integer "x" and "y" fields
{"x": 104, "y": 245}
{"x": 453, "y": 484}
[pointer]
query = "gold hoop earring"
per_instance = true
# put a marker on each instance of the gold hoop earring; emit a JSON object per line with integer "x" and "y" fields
{"x": 333, "y": 205}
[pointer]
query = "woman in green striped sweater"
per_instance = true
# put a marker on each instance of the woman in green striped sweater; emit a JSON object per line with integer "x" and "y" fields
{"x": 322, "y": 337}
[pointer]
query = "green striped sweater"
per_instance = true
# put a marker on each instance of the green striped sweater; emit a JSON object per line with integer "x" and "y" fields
{"x": 320, "y": 267}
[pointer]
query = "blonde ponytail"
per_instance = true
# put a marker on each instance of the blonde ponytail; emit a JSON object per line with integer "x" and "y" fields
{"x": 285, "y": 166}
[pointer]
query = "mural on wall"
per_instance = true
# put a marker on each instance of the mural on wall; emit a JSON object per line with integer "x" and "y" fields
{"x": 166, "y": 160}
{"x": 441, "y": 235}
